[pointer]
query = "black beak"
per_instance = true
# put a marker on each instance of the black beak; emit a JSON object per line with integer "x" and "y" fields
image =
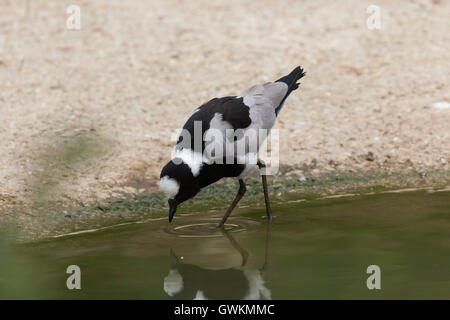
{"x": 172, "y": 208}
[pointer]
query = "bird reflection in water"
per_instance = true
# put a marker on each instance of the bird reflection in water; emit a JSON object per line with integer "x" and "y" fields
{"x": 188, "y": 281}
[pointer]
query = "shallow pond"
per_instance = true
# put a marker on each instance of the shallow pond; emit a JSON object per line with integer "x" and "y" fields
{"x": 313, "y": 249}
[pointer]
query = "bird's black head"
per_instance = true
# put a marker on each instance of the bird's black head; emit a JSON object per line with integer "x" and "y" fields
{"x": 178, "y": 182}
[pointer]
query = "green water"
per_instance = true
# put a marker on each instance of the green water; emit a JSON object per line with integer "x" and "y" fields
{"x": 313, "y": 249}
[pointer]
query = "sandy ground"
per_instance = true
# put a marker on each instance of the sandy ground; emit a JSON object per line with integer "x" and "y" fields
{"x": 90, "y": 113}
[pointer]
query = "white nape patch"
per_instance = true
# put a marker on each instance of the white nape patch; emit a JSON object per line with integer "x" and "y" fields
{"x": 169, "y": 185}
{"x": 173, "y": 283}
{"x": 441, "y": 105}
{"x": 193, "y": 159}
{"x": 200, "y": 295}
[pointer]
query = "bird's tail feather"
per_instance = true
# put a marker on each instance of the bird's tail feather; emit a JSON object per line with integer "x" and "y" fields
{"x": 291, "y": 81}
{"x": 292, "y": 78}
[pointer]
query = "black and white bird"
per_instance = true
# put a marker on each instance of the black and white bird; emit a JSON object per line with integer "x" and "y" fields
{"x": 190, "y": 281}
{"x": 209, "y": 145}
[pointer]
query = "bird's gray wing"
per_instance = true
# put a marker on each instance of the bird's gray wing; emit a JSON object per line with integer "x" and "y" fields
{"x": 216, "y": 121}
{"x": 226, "y": 127}
{"x": 218, "y": 113}
{"x": 262, "y": 101}
{"x": 268, "y": 94}
{"x": 259, "y": 103}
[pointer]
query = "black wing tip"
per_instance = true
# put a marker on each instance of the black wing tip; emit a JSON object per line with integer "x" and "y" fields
{"x": 292, "y": 78}
{"x": 299, "y": 73}
{"x": 299, "y": 70}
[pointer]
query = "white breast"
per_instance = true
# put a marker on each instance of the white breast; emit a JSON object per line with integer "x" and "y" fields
{"x": 173, "y": 283}
{"x": 169, "y": 185}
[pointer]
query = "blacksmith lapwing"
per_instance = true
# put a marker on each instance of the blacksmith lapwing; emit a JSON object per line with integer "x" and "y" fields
{"x": 209, "y": 146}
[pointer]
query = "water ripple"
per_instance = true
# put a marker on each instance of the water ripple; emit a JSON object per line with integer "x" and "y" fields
{"x": 207, "y": 227}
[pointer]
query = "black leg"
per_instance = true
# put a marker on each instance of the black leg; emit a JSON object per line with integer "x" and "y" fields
{"x": 238, "y": 197}
{"x": 244, "y": 254}
{"x": 266, "y": 258}
{"x": 261, "y": 164}
{"x": 175, "y": 260}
